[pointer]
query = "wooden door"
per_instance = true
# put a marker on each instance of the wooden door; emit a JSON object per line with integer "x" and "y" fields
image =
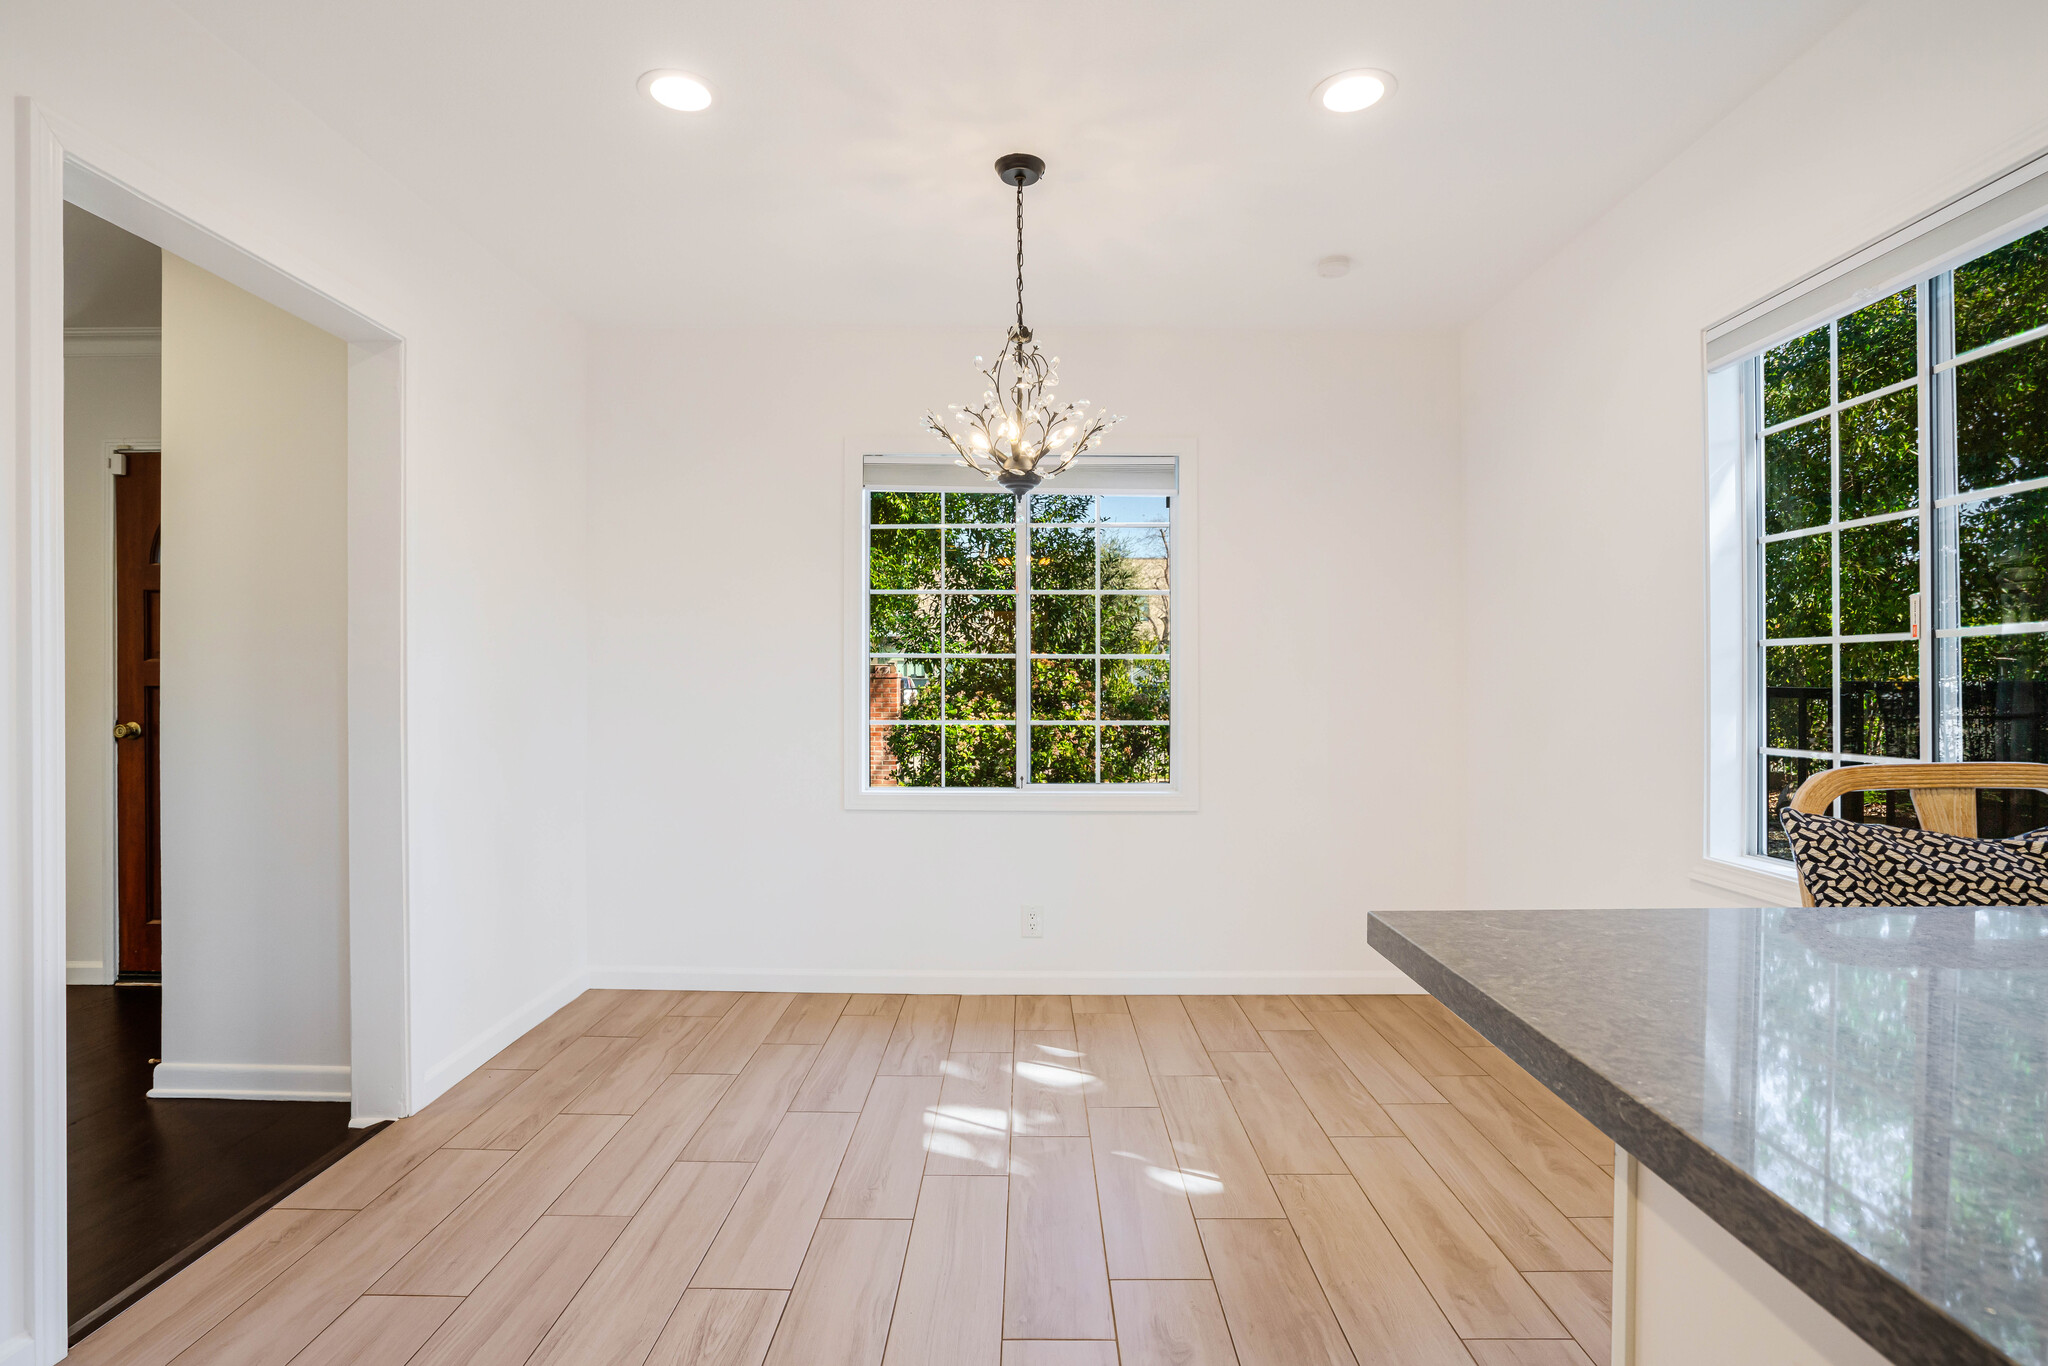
{"x": 138, "y": 546}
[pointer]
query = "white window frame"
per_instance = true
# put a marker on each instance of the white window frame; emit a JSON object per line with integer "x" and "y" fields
{"x": 2001, "y": 210}
{"x": 1181, "y": 793}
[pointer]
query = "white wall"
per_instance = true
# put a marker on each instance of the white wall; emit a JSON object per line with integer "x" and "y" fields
{"x": 493, "y": 484}
{"x": 493, "y": 478}
{"x": 254, "y": 696}
{"x": 108, "y": 399}
{"x": 1330, "y": 673}
{"x": 1585, "y": 432}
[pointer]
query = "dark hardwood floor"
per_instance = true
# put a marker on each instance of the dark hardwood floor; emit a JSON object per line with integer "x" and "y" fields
{"x": 155, "y": 1181}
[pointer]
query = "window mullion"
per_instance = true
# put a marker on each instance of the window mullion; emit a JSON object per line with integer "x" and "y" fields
{"x": 1835, "y": 548}
{"x": 1944, "y": 601}
{"x": 1924, "y": 343}
{"x": 1021, "y": 636}
{"x": 945, "y": 645}
{"x": 945, "y": 648}
{"x": 1754, "y": 523}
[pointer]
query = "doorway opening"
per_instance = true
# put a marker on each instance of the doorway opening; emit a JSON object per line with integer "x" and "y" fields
{"x": 62, "y": 165}
{"x": 186, "y": 1116}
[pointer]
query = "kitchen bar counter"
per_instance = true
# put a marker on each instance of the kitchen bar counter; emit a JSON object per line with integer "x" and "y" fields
{"x": 1859, "y": 1098}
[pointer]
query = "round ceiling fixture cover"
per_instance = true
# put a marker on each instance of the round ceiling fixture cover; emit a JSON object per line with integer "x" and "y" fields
{"x": 1348, "y": 92}
{"x": 677, "y": 90}
{"x": 1020, "y": 168}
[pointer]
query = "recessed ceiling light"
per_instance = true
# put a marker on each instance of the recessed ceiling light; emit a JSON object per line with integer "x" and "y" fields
{"x": 677, "y": 90}
{"x": 1347, "y": 92}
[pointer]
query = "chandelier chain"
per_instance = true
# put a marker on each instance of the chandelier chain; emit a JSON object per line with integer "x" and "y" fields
{"x": 1020, "y": 253}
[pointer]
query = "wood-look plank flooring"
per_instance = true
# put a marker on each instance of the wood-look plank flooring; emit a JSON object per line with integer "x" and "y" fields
{"x": 152, "y": 1180}
{"x": 744, "y": 1179}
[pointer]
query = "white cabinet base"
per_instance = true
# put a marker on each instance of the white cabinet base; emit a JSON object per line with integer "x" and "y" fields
{"x": 1688, "y": 1294}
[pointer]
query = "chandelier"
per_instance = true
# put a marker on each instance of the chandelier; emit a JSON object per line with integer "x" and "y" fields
{"x": 1020, "y": 434}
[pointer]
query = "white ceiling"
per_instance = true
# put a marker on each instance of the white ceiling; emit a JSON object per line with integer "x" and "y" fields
{"x": 844, "y": 174}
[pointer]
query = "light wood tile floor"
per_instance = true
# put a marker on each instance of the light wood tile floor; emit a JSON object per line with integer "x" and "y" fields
{"x": 732, "y": 1179}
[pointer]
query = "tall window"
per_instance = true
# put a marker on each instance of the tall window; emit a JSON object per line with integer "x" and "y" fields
{"x": 1018, "y": 643}
{"x": 1902, "y": 558}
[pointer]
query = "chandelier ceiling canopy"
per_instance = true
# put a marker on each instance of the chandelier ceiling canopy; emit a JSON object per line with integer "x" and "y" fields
{"x": 1021, "y": 433}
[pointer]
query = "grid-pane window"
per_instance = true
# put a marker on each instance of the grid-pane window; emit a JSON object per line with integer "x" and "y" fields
{"x": 1019, "y": 643}
{"x": 1902, "y": 511}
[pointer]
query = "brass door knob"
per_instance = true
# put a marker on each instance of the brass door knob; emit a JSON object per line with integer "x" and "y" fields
{"x": 126, "y": 730}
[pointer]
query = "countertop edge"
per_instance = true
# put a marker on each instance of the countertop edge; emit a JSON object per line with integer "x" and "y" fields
{"x": 1897, "y": 1321}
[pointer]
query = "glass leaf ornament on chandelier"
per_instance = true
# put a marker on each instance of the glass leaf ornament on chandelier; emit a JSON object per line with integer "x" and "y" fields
{"x": 1021, "y": 433}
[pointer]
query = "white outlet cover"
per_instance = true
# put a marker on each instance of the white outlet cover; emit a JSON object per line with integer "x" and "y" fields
{"x": 1032, "y": 925}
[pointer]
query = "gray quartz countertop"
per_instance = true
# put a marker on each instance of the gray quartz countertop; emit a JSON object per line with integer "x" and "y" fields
{"x": 1860, "y": 1097}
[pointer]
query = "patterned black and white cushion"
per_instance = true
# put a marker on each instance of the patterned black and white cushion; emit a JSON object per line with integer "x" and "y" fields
{"x": 1848, "y": 863}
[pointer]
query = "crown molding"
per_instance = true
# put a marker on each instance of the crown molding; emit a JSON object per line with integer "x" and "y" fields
{"x": 113, "y": 341}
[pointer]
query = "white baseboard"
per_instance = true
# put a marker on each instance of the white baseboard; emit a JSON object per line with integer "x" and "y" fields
{"x": 492, "y": 1041}
{"x": 1362, "y": 982}
{"x": 248, "y": 1081}
{"x": 85, "y": 972}
{"x": 19, "y": 1350}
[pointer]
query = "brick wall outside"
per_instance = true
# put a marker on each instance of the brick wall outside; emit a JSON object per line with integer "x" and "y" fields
{"x": 885, "y": 703}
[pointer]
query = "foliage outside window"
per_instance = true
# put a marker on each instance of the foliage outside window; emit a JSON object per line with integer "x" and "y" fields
{"x": 1018, "y": 643}
{"x": 1904, "y": 452}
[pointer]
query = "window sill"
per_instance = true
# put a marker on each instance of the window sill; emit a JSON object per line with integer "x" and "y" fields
{"x": 1001, "y": 800}
{"x": 1750, "y": 876}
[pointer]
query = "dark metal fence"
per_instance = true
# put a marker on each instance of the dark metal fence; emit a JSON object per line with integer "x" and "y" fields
{"x": 2004, "y": 721}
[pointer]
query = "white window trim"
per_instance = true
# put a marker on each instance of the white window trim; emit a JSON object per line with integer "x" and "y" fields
{"x": 1764, "y": 881}
{"x": 1182, "y": 794}
{"x": 2007, "y": 207}
{"x": 1732, "y": 760}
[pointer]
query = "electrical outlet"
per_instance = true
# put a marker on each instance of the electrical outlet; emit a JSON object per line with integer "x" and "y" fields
{"x": 1034, "y": 922}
